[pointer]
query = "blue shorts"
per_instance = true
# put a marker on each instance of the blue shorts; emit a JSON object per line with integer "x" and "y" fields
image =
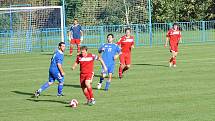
{"x": 56, "y": 76}
{"x": 110, "y": 69}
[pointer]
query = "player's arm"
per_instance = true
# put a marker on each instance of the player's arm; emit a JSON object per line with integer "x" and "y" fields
{"x": 118, "y": 53}
{"x": 81, "y": 34}
{"x": 167, "y": 39}
{"x": 102, "y": 63}
{"x": 59, "y": 65}
{"x": 74, "y": 65}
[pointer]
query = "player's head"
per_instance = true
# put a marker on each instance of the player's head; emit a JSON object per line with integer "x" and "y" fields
{"x": 84, "y": 50}
{"x": 110, "y": 38}
{"x": 175, "y": 26}
{"x": 128, "y": 31}
{"x": 62, "y": 46}
{"x": 75, "y": 21}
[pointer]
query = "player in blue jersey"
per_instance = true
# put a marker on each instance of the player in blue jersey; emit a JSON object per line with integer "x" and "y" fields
{"x": 110, "y": 52}
{"x": 56, "y": 71}
{"x": 75, "y": 36}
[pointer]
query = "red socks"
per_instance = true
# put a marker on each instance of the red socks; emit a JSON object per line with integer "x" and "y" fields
{"x": 86, "y": 93}
{"x": 120, "y": 71}
{"x": 70, "y": 50}
{"x": 90, "y": 90}
{"x": 174, "y": 61}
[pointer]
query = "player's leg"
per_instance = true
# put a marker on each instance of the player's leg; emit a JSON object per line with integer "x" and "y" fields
{"x": 72, "y": 42}
{"x": 110, "y": 73}
{"x": 102, "y": 77}
{"x": 78, "y": 43}
{"x": 127, "y": 63}
{"x": 60, "y": 84}
{"x": 45, "y": 86}
{"x": 122, "y": 65}
{"x": 90, "y": 91}
{"x": 174, "y": 51}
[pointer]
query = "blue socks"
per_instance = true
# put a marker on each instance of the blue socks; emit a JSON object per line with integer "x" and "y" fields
{"x": 101, "y": 79}
{"x": 44, "y": 87}
{"x": 107, "y": 85}
{"x": 60, "y": 89}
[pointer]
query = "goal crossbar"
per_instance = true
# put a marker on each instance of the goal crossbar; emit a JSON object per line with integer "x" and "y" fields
{"x": 40, "y": 7}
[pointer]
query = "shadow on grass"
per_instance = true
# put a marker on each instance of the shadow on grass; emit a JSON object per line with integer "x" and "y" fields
{"x": 54, "y": 101}
{"x": 148, "y": 64}
{"x": 26, "y": 93}
{"x": 72, "y": 85}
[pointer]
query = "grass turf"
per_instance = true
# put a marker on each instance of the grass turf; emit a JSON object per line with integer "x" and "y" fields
{"x": 149, "y": 91}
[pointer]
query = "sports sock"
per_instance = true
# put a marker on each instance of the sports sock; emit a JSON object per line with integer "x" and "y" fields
{"x": 107, "y": 85}
{"x": 70, "y": 50}
{"x": 174, "y": 61}
{"x": 44, "y": 87}
{"x": 87, "y": 95}
{"x": 120, "y": 71}
{"x": 60, "y": 89}
{"x": 101, "y": 79}
{"x": 90, "y": 90}
{"x": 79, "y": 48}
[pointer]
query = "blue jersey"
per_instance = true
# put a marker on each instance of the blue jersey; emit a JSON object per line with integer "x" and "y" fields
{"x": 76, "y": 31}
{"x": 109, "y": 50}
{"x": 56, "y": 58}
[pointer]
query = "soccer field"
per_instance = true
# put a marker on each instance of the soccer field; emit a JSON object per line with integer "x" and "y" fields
{"x": 149, "y": 91}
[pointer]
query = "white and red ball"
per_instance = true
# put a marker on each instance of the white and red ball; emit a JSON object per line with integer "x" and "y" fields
{"x": 73, "y": 103}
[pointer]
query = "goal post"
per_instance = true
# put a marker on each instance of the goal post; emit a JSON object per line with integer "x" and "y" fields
{"x": 28, "y": 28}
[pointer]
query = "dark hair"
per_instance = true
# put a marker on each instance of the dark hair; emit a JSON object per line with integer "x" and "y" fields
{"x": 175, "y": 24}
{"x": 75, "y": 19}
{"x": 60, "y": 44}
{"x": 110, "y": 35}
{"x": 127, "y": 29}
{"x": 84, "y": 48}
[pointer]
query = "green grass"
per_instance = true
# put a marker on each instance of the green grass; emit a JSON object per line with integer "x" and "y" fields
{"x": 150, "y": 90}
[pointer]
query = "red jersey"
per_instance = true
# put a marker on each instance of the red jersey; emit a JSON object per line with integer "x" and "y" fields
{"x": 86, "y": 63}
{"x": 126, "y": 43}
{"x": 174, "y": 36}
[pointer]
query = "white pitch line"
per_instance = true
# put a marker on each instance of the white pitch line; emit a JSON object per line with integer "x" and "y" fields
{"x": 43, "y": 68}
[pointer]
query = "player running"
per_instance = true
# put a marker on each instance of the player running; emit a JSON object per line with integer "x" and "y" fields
{"x": 126, "y": 42}
{"x": 86, "y": 61}
{"x": 173, "y": 36}
{"x": 110, "y": 52}
{"x": 75, "y": 36}
{"x": 56, "y": 71}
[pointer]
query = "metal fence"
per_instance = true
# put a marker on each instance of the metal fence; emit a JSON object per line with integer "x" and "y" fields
{"x": 46, "y": 39}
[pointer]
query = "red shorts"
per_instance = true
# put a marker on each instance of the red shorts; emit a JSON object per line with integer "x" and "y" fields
{"x": 174, "y": 47}
{"x": 125, "y": 58}
{"x": 84, "y": 77}
{"x": 75, "y": 41}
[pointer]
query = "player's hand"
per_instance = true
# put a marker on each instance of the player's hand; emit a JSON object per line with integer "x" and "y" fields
{"x": 73, "y": 68}
{"x": 105, "y": 69}
{"x": 165, "y": 45}
{"x": 82, "y": 38}
{"x": 116, "y": 56}
{"x": 63, "y": 74}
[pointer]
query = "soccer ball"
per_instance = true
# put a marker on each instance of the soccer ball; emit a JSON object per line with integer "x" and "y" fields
{"x": 73, "y": 103}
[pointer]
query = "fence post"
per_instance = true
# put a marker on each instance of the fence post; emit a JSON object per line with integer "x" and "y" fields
{"x": 203, "y": 31}
{"x": 102, "y": 35}
{"x": 137, "y": 35}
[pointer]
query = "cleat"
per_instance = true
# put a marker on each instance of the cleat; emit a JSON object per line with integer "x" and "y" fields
{"x": 37, "y": 94}
{"x": 91, "y": 102}
{"x": 99, "y": 86}
{"x": 174, "y": 65}
{"x": 106, "y": 89}
{"x": 60, "y": 95}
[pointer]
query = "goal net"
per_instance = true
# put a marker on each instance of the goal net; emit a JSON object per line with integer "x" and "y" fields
{"x": 24, "y": 29}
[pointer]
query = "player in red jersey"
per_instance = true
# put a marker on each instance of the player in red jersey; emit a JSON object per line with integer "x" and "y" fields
{"x": 126, "y": 42}
{"x": 173, "y": 37}
{"x": 86, "y": 61}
